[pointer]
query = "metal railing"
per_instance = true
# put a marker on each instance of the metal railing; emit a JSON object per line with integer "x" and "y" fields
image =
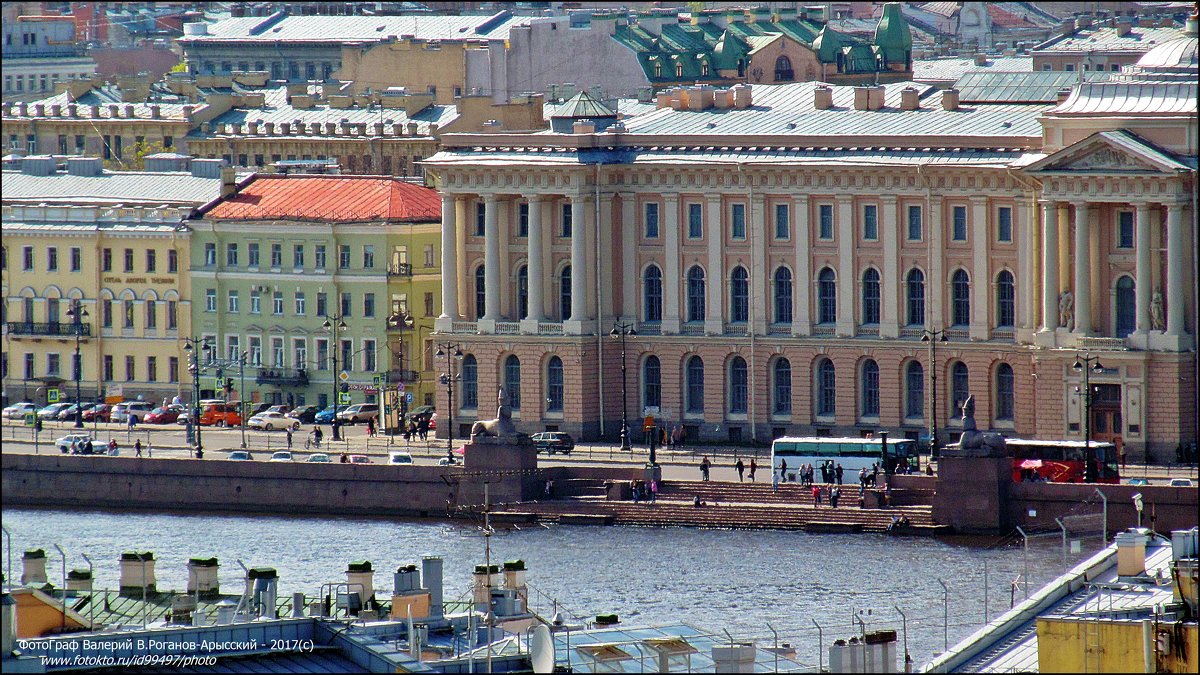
{"x": 399, "y": 270}
{"x": 67, "y": 329}
{"x": 283, "y": 376}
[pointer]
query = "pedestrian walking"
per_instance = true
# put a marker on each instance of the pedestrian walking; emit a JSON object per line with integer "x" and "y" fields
{"x": 834, "y": 494}
{"x": 289, "y": 438}
{"x": 816, "y": 495}
{"x": 839, "y": 471}
{"x": 370, "y": 426}
{"x": 783, "y": 470}
{"x": 862, "y": 478}
{"x": 704, "y": 467}
{"x": 741, "y": 469}
{"x": 753, "y": 468}
{"x": 137, "y": 448}
{"x": 653, "y": 491}
{"x": 775, "y": 481}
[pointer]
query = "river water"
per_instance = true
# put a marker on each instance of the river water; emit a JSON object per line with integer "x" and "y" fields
{"x": 739, "y": 580}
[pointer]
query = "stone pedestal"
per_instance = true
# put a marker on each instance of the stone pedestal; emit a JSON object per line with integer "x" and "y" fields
{"x": 507, "y": 464}
{"x": 652, "y": 472}
{"x": 972, "y": 493}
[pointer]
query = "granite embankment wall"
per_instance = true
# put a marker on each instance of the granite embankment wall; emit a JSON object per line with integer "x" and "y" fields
{"x": 1165, "y": 508}
{"x": 264, "y": 487}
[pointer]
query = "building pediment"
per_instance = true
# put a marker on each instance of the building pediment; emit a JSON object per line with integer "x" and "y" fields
{"x": 1109, "y": 152}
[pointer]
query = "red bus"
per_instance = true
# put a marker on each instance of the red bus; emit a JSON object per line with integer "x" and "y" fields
{"x": 1064, "y": 461}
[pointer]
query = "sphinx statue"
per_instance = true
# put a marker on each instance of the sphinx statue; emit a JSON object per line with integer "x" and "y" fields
{"x": 975, "y": 443}
{"x": 501, "y": 428}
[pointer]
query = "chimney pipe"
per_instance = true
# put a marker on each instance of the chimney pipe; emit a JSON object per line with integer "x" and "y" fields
{"x": 137, "y": 574}
{"x": 265, "y": 586}
{"x": 910, "y": 99}
{"x": 861, "y": 98}
{"x": 950, "y": 99}
{"x": 360, "y": 573}
{"x": 202, "y": 577}
{"x": 79, "y": 580}
{"x": 33, "y": 567}
{"x": 431, "y": 578}
{"x": 1131, "y": 553}
{"x": 823, "y": 97}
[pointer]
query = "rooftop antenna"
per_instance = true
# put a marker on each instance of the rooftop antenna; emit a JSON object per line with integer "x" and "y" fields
{"x": 487, "y": 532}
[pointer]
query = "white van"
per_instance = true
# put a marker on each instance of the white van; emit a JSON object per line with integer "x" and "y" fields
{"x": 399, "y": 458}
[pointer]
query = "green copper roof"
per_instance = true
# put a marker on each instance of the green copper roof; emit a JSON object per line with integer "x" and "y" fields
{"x": 583, "y": 106}
{"x": 892, "y": 35}
{"x": 728, "y": 51}
{"x": 827, "y": 44}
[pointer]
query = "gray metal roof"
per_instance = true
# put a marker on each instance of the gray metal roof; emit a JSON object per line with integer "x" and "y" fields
{"x": 132, "y": 187}
{"x": 1105, "y": 39}
{"x": 358, "y": 28}
{"x": 1131, "y": 98}
{"x": 950, "y": 69}
{"x": 323, "y": 113}
{"x": 1031, "y": 87}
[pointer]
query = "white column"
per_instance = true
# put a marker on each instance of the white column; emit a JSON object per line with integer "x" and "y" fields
{"x": 847, "y": 282}
{"x": 536, "y": 271}
{"x": 889, "y": 300}
{"x": 981, "y": 286}
{"x": 714, "y": 233}
{"x": 1049, "y": 266}
{"x": 672, "y": 299}
{"x": 629, "y": 271}
{"x": 449, "y": 264}
{"x": 759, "y": 235}
{"x": 1175, "y": 261}
{"x": 1142, "y": 283}
{"x": 491, "y": 260}
{"x": 1083, "y": 271}
{"x": 1024, "y": 219}
{"x": 579, "y": 290}
{"x": 602, "y": 300}
{"x": 935, "y": 289}
{"x": 802, "y": 281}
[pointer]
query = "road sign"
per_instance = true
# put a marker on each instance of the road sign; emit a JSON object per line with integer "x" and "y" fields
{"x": 378, "y": 380}
{"x": 400, "y": 386}
{"x": 648, "y": 423}
{"x": 344, "y": 376}
{"x": 344, "y": 398}
{"x": 408, "y": 396}
{"x": 29, "y": 418}
{"x": 52, "y": 396}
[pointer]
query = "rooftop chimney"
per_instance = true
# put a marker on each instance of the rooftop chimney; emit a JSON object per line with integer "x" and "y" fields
{"x": 741, "y": 96}
{"x": 39, "y": 109}
{"x": 408, "y": 598}
{"x": 981, "y": 59}
{"x": 155, "y": 111}
{"x": 1131, "y": 553}
{"x": 734, "y": 658}
{"x": 1083, "y": 22}
{"x": 483, "y": 578}
{"x": 114, "y": 110}
{"x": 33, "y": 566}
{"x": 910, "y": 98}
{"x": 823, "y": 97}
{"x": 861, "y": 97}
{"x": 1063, "y": 95}
{"x": 129, "y": 111}
{"x": 228, "y": 180}
{"x": 72, "y": 110}
{"x": 79, "y": 579}
{"x": 202, "y": 577}
{"x": 431, "y": 578}
{"x": 265, "y": 586}
{"x": 1124, "y": 26}
{"x": 137, "y": 574}
{"x": 84, "y": 166}
{"x": 950, "y": 99}
{"x": 360, "y": 573}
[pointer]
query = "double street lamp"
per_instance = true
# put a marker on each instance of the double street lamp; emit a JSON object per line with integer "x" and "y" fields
{"x": 78, "y": 314}
{"x": 448, "y": 378}
{"x": 1081, "y": 365}
{"x": 620, "y": 330}
{"x": 334, "y": 324}
{"x": 932, "y": 337}
{"x": 194, "y": 370}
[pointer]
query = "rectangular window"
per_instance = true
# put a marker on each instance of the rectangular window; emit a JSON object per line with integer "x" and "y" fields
{"x": 783, "y": 221}
{"x": 276, "y": 352}
{"x": 254, "y": 351}
{"x": 210, "y": 254}
{"x": 368, "y": 352}
{"x": 106, "y": 260}
{"x": 322, "y": 361}
{"x": 76, "y": 258}
{"x": 152, "y": 368}
{"x": 172, "y": 368}
{"x": 79, "y": 144}
{"x": 255, "y": 301}
{"x": 27, "y": 259}
{"x": 737, "y": 221}
{"x": 870, "y": 222}
{"x": 1125, "y": 229}
{"x": 322, "y": 304}
{"x": 172, "y": 261}
{"x": 277, "y": 303}
{"x": 695, "y": 221}
{"x": 151, "y": 314}
{"x": 347, "y": 349}
{"x": 29, "y": 374}
{"x": 429, "y": 304}
{"x": 1004, "y": 224}
{"x": 914, "y": 223}
{"x": 319, "y": 256}
{"x": 479, "y": 219}
{"x": 959, "y": 231}
{"x": 369, "y": 305}
{"x": 210, "y": 299}
{"x": 127, "y": 309}
{"x": 151, "y": 260}
{"x": 53, "y": 363}
{"x": 233, "y": 302}
{"x": 106, "y": 313}
{"x": 299, "y": 353}
{"x": 368, "y": 256}
{"x": 651, "y": 220}
{"x": 568, "y": 222}
{"x": 130, "y": 369}
{"x": 252, "y": 254}
{"x": 276, "y": 256}
{"x": 108, "y": 367}
{"x": 430, "y": 256}
{"x": 346, "y": 300}
{"x": 233, "y": 347}
{"x": 825, "y": 221}
{"x": 129, "y": 260}
{"x": 298, "y": 256}
{"x": 523, "y": 220}
{"x": 231, "y": 255}
{"x": 52, "y": 259}
{"x": 343, "y": 257}
{"x": 299, "y": 303}
{"x": 172, "y": 315}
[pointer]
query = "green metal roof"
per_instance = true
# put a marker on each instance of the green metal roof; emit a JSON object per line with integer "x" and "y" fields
{"x": 728, "y": 51}
{"x": 827, "y": 44}
{"x": 892, "y": 35}
{"x": 582, "y": 106}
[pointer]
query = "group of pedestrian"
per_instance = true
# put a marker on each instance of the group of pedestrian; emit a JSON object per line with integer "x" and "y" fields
{"x": 740, "y": 467}
{"x": 676, "y": 438}
{"x": 705, "y": 468}
{"x": 832, "y": 492}
{"x": 416, "y": 430}
{"x": 830, "y": 473}
{"x": 645, "y": 492}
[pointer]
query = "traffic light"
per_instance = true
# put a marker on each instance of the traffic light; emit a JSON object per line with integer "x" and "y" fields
{"x": 229, "y": 384}
{"x": 344, "y": 388}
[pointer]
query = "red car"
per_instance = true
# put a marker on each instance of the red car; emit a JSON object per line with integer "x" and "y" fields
{"x": 100, "y": 413}
{"x": 165, "y": 415}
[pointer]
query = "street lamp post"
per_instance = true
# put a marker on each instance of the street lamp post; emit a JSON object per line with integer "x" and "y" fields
{"x": 194, "y": 370}
{"x": 334, "y": 324}
{"x": 242, "y": 394}
{"x": 1084, "y": 365}
{"x": 932, "y": 337}
{"x": 620, "y": 330}
{"x": 402, "y": 320}
{"x": 78, "y": 314}
{"x": 448, "y": 378}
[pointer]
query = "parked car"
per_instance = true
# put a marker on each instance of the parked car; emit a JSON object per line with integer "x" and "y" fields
{"x": 324, "y": 417}
{"x": 399, "y": 458}
{"x": 1137, "y": 481}
{"x": 1181, "y": 482}
{"x": 319, "y": 458}
{"x": 259, "y": 408}
{"x": 164, "y": 415}
{"x": 67, "y": 414}
{"x": 360, "y": 459}
{"x": 281, "y": 409}
{"x": 359, "y": 412}
{"x": 64, "y": 444}
{"x": 101, "y": 413}
{"x": 551, "y": 442}
{"x": 270, "y": 421}
{"x": 18, "y": 411}
{"x": 122, "y": 411}
{"x": 51, "y": 411}
{"x": 240, "y": 456}
{"x": 281, "y": 456}
{"x": 305, "y": 414}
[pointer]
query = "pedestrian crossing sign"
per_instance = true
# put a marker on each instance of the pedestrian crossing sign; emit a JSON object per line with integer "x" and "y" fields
{"x": 52, "y": 396}
{"x": 344, "y": 398}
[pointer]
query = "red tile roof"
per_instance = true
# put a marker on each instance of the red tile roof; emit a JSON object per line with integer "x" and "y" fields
{"x": 1003, "y": 18}
{"x": 329, "y": 199}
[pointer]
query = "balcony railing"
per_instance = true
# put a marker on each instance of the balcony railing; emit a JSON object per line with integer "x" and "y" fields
{"x": 508, "y": 327}
{"x": 67, "y": 329}
{"x": 400, "y": 270}
{"x": 739, "y": 329}
{"x": 402, "y": 376}
{"x": 282, "y": 377}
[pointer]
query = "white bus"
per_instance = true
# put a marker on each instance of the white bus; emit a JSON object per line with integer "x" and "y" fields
{"x": 852, "y": 453}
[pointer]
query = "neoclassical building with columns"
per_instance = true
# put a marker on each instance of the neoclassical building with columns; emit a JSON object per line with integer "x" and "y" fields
{"x": 782, "y": 251}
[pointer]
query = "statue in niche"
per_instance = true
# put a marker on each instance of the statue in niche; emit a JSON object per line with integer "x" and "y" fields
{"x": 1157, "y": 314}
{"x": 501, "y": 428}
{"x": 1066, "y": 310}
{"x": 974, "y": 443}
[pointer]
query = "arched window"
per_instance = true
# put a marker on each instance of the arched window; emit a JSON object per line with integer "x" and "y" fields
{"x": 961, "y": 296}
{"x": 738, "y": 385}
{"x": 470, "y": 382}
{"x": 915, "y": 290}
{"x": 914, "y": 390}
{"x": 678, "y": 70}
{"x": 523, "y": 292}
{"x": 1006, "y": 300}
{"x": 741, "y": 68}
{"x": 782, "y": 390}
{"x": 783, "y": 70}
{"x": 554, "y": 385}
{"x": 480, "y": 293}
{"x": 1004, "y": 392}
{"x": 652, "y": 293}
{"x": 826, "y": 296}
{"x": 564, "y": 293}
{"x": 739, "y": 295}
{"x": 695, "y": 385}
{"x": 1126, "y": 306}
{"x": 870, "y": 388}
{"x": 826, "y": 388}
{"x": 783, "y": 295}
{"x": 512, "y": 381}
{"x": 960, "y": 386}
{"x": 651, "y": 383}
{"x": 870, "y": 297}
{"x": 695, "y": 294}
{"x": 658, "y": 71}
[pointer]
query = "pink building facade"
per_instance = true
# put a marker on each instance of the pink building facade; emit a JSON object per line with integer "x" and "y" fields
{"x": 782, "y": 252}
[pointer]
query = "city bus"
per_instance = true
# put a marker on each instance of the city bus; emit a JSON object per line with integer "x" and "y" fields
{"x": 1064, "y": 461}
{"x": 852, "y": 453}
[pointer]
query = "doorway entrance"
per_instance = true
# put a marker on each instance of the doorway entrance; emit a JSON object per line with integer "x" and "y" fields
{"x": 1107, "y": 424}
